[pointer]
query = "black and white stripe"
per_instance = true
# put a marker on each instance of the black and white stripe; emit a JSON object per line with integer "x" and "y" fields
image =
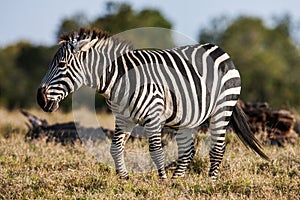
{"x": 177, "y": 88}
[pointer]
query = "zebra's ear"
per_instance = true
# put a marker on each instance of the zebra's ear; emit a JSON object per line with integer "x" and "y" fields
{"x": 86, "y": 44}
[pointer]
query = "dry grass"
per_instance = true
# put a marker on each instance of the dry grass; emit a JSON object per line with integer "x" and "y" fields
{"x": 40, "y": 170}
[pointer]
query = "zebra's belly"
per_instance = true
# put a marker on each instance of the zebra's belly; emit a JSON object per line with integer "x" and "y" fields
{"x": 185, "y": 123}
{"x": 187, "y": 113}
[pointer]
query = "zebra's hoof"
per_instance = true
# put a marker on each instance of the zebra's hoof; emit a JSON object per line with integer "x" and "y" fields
{"x": 163, "y": 177}
{"x": 176, "y": 176}
{"x": 124, "y": 177}
{"x": 162, "y": 174}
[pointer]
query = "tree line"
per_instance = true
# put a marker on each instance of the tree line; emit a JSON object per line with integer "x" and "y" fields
{"x": 267, "y": 56}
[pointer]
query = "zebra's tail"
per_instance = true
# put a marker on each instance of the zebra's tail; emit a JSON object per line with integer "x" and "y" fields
{"x": 241, "y": 127}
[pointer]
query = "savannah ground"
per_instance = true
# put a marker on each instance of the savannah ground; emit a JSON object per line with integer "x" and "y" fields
{"x": 40, "y": 170}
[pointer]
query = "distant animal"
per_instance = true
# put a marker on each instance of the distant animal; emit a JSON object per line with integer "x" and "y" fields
{"x": 176, "y": 88}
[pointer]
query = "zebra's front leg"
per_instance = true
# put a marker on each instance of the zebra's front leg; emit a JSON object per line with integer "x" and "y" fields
{"x": 157, "y": 153}
{"x": 117, "y": 147}
{"x": 186, "y": 151}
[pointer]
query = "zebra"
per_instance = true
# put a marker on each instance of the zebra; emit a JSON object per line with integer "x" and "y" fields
{"x": 176, "y": 89}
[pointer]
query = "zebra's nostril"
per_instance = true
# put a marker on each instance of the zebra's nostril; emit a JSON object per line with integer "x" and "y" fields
{"x": 41, "y": 97}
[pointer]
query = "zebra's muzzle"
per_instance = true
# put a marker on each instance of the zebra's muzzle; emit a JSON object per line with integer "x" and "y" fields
{"x": 44, "y": 103}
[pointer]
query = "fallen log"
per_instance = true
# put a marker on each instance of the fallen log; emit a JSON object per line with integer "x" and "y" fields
{"x": 63, "y": 133}
{"x": 274, "y": 127}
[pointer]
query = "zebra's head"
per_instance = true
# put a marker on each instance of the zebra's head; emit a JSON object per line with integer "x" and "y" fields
{"x": 65, "y": 73}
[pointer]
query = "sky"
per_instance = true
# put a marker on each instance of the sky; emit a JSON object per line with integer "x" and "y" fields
{"x": 37, "y": 21}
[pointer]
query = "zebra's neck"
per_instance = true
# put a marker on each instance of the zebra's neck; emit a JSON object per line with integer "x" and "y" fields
{"x": 100, "y": 63}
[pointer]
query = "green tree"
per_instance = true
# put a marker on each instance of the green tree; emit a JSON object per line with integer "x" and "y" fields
{"x": 22, "y": 65}
{"x": 267, "y": 57}
{"x": 121, "y": 17}
{"x": 72, "y": 24}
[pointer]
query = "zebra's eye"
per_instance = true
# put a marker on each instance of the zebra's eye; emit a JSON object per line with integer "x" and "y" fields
{"x": 63, "y": 60}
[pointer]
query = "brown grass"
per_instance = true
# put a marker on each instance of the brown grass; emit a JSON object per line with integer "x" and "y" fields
{"x": 40, "y": 170}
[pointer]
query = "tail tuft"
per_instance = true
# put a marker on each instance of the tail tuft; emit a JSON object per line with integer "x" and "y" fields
{"x": 241, "y": 128}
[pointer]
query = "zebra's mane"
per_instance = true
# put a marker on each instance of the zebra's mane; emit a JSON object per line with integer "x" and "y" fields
{"x": 90, "y": 34}
{"x": 82, "y": 34}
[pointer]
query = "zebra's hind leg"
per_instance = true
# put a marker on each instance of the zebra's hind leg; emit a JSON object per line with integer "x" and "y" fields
{"x": 186, "y": 151}
{"x": 218, "y": 125}
{"x": 122, "y": 132}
